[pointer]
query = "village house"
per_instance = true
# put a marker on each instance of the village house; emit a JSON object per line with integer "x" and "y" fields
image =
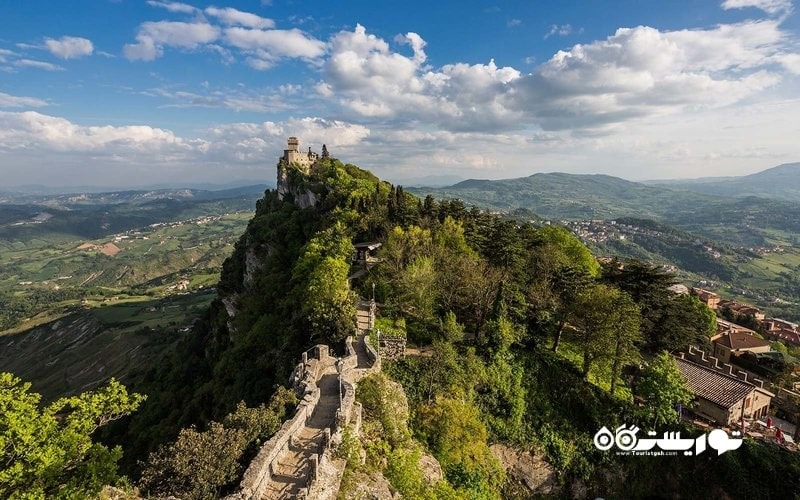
{"x": 736, "y": 342}
{"x": 724, "y": 326}
{"x": 740, "y": 309}
{"x": 784, "y": 335}
{"x": 710, "y": 299}
{"x": 724, "y": 398}
{"x": 778, "y": 324}
{"x": 779, "y": 329}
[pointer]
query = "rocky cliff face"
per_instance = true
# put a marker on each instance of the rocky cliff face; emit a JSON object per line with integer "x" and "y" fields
{"x": 302, "y": 196}
{"x": 253, "y": 251}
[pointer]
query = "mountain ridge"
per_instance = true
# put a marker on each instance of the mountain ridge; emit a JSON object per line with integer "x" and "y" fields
{"x": 780, "y": 182}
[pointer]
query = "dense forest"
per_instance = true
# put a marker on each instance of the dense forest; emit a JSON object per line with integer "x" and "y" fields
{"x": 529, "y": 341}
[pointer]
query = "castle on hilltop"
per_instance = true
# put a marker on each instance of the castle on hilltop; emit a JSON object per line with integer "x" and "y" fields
{"x": 301, "y": 158}
{"x": 304, "y": 161}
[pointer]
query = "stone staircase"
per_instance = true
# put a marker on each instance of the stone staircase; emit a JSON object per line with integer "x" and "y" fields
{"x": 298, "y": 461}
{"x": 365, "y": 316}
{"x": 293, "y": 467}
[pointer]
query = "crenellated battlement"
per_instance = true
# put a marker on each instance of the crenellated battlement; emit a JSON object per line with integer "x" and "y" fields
{"x": 700, "y": 357}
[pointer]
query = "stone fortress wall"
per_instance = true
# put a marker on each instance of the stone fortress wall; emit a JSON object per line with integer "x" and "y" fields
{"x": 304, "y": 380}
{"x": 700, "y": 357}
{"x": 325, "y": 476}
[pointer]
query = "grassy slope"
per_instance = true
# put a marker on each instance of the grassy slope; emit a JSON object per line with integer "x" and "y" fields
{"x": 111, "y": 315}
{"x": 87, "y": 346}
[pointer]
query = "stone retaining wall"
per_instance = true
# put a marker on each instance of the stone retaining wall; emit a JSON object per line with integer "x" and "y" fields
{"x": 392, "y": 347}
{"x": 324, "y": 475}
{"x": 304, "y": 379}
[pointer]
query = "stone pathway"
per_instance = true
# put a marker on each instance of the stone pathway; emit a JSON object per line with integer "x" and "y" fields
{"x": 362, "y": 318}
{"x": 361, "y": 353}
{"x": 291, "y": 469}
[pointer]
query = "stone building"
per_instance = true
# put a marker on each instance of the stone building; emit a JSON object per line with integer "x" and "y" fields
{"x": 710, "y": 299}
{"x": 735, "y": 342}
{"x": 723, "y": 398}
{"x": 779, "y": 329}
{"x": 302, "y": 158}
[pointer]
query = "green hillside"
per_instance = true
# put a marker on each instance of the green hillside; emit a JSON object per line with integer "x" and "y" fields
{"x": 568, "y": 196}
{"x": 749, "y": 245}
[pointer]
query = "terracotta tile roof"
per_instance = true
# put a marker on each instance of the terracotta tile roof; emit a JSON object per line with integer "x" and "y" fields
{"x": 741, "y": 340}
{"x": 786, "y": 335}
{"x": 727, "y": 326}
{"x": 713, "y": 386}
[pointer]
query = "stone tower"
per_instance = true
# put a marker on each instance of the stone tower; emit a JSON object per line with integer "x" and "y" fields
{"x": 292, "y": 154}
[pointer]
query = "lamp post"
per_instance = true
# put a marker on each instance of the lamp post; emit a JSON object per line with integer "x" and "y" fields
{"x": 339, "y": 372}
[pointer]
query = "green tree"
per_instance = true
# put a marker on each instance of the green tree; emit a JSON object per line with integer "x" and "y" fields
{"x": 48, "y": 452}
{"x": 329, "y": 302}
{"x": 567, "y": 282}
{"x": 457, "y": 437}
{"x": 626, "y": 339}
{"x": 450, "y": 329}
{"x": 450, "y": 237}
{"x": 402, "y": 246}
{"x": 497, "y": 335}
{"x": 416, "y": 289}
{"x": 574, "y": 252}
{"x": 440, "y": 369}
{"x": 669, "y": 321}
{"x": 197, "y": 464}
{"x": 607, "y": 325}
{"x": 779, "y": 346}
{"x": 468, "y": 286}
{"x": 663, "y": 386}
{"x": 558, "y": 268}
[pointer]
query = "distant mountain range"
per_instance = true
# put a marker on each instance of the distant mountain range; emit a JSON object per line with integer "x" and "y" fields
{"x": 41, "y": 190}
{"x": 568, "y": 196}
{"x": 132, "y": 196}
{"x": 781, "y": 182}
{"x": 735, "y": 218}
{"x": 579, "y": 196}
{"x": 429, "y": 180}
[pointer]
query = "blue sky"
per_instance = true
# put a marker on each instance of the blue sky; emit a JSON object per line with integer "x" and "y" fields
{"x": 136, "y": 92}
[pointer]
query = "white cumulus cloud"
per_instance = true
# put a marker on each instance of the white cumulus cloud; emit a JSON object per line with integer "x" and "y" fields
{"x": 233, "y": 17}
{"x": 768, "y": 6}
{"x": 280, "y": 43}
{"x": 37, "y": 132}
{"x": 69, "y": 47}
{"x": 5, "y": 54}
{"x": 152, "y": 37}
{"x": 635, "y": 72}
{"x": 32, "y": 63}
{"x": 561, "y": 30}
{"x": 175, "y": 7}
{"x": 11, "y": 101}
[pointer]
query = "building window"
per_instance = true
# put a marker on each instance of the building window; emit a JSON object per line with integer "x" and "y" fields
{"x": 747, "y": 403}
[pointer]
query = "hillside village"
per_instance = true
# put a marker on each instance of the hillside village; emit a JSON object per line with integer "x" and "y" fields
{"x": 745, "y": 378}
